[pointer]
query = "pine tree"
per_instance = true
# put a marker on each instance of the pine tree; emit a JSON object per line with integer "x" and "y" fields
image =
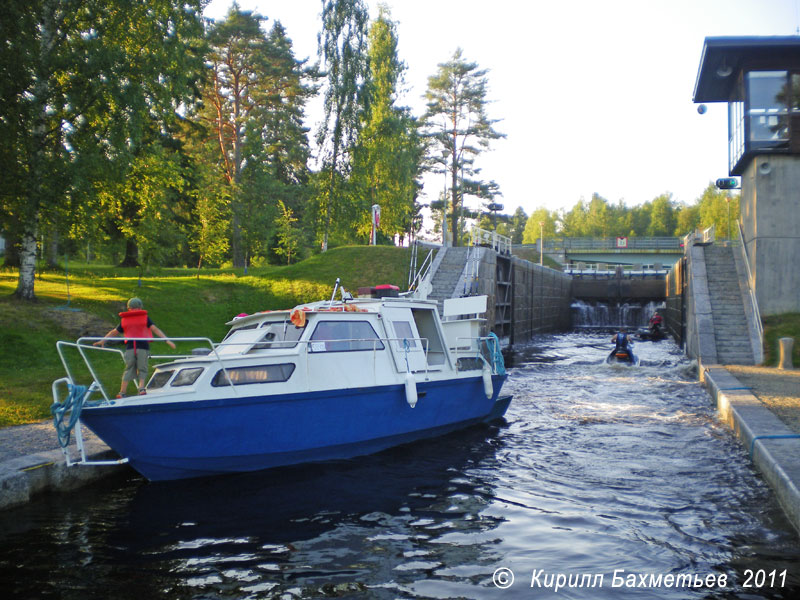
{"x": 459, "y": 128}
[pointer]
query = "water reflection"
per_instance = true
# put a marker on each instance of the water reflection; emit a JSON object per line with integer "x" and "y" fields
{"x": 597, "y": 468}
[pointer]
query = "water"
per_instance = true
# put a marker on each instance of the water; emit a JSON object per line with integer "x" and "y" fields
{"x": 597, "y": 469}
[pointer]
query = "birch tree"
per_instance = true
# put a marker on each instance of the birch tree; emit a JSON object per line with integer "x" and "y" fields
{"x": 342, "y": 47}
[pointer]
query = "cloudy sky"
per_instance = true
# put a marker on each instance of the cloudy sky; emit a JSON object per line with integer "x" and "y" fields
{"x": 592, "y": 96}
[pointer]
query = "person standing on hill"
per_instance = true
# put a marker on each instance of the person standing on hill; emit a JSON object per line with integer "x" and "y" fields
{"x": 135, "y": 324}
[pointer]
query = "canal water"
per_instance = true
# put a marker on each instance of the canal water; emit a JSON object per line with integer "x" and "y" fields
{"x": 604, "y": 482}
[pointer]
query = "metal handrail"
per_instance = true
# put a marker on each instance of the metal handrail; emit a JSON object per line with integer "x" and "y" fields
{"x": 751, "y": 287}
{"x": 460, "y": 350}
{"x": 422, "y": 273}
{"x": 497, "y": 242}
{"x": 81, "y": 345}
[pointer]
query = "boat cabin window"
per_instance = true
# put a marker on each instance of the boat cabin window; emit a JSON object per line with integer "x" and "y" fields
{"x": 344, "y": 336}
{"x": 159, "y": 379}
{"x": 278, "y": 334}
{"x": 253, "y": 374}
{"x": 187, "y": 376}
{"x": 232, "y": 331}
{"x": 403, "y": 330}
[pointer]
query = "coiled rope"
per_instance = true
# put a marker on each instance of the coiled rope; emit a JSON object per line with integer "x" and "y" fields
{"x": 495, "y": 355}
{"x": 73, "y": 404}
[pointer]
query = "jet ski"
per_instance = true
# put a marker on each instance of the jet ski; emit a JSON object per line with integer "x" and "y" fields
{"x": 623, "y": 356}
{"x": 653, "y": 334}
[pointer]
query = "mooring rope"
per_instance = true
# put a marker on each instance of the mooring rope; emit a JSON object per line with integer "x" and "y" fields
{"x": 495, "y": 355}
{"x": 73, "y": 403}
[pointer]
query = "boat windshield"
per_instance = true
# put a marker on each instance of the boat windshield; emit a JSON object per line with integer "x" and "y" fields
{"x": 278, "y": 334}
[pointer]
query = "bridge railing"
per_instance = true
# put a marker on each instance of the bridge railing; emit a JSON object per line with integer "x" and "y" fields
{"x": 611, "y": 243}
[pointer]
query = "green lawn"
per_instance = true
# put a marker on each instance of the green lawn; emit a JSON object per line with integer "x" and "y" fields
{"x": 179, "y": 302}
{"x": 776, "y": 327}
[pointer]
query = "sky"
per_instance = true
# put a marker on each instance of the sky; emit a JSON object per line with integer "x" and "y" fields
{"x": 593, "y": 96}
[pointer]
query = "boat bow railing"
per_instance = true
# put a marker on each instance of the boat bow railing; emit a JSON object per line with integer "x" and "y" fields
{"x": 473, "y": 347}
{"x": 87, "y": 343}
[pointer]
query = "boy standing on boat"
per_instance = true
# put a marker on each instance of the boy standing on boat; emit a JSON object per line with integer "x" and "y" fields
{"x": 135, "y": 323}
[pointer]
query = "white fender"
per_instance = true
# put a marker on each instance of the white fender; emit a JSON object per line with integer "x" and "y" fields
{"x": 411, "y": 390}
{"x": 488, "y": 388}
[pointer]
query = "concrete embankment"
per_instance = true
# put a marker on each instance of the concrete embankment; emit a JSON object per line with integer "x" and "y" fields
{"x": 31, "y": 463}
{"x": 774, "y": 448}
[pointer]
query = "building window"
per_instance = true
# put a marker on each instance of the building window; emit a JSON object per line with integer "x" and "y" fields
{"x": 768, "y": 104}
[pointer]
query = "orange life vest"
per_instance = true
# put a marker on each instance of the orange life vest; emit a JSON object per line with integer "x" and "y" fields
{"x": 134, "y": 325}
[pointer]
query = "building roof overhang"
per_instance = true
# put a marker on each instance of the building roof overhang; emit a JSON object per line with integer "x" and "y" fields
{"x": 723, "y": 58}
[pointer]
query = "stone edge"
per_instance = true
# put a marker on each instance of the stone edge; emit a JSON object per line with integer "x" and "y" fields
{"x": 27, "y": 476}
{"x": 775, "y": 458}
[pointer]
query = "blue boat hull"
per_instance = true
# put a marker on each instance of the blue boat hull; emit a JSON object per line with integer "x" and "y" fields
{"x": 206, "y": 437}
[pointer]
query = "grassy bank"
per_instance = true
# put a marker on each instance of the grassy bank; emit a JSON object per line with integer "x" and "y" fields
{"x": 179, "y": 302}
{"x": 776, "y": 327}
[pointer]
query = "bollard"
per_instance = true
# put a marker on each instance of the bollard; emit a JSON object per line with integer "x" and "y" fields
{"x": 786, "y": 344}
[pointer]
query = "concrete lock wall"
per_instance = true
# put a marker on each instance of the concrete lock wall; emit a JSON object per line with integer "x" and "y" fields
{"x": 674, "y": 314}
{"x": 541, "y": 300}
{"x": 771, "y": 226}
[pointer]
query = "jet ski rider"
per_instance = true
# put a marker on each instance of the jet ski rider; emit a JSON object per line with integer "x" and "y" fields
{"x": 622, "y": 344}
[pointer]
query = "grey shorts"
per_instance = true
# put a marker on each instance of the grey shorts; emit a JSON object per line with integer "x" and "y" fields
{"x": 135, "y": 364}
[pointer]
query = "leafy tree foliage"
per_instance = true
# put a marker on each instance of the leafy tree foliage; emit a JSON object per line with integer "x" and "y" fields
{"x": 83, "y": 84}
{"x": 533, "y": 230}
{"x": 289, "y": 236}
{"x": 388, "y": 154}
{"x": 720, "y": 209}
{"x": 342, "y": 44}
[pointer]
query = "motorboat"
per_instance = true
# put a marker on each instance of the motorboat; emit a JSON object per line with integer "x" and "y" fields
{"x": 327, "y": 380}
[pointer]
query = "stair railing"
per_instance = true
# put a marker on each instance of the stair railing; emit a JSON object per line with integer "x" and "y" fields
{"x": 751, "y": 289}
{"x": 422, "y": 273}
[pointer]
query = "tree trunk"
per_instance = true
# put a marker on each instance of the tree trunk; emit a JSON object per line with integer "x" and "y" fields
{"x": 236, "y": 241}
{"x": 27, "y": 264}
{"x": 131, "y": 254}
{"x": 454, "y": 189}
{"x": 37, "y": 170}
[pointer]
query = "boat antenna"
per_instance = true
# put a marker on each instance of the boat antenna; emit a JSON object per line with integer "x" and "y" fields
{"x": 335, "y": 287}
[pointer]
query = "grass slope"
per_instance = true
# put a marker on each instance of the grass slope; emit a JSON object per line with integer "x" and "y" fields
{"x": 179, "y": 302}
{"x": 776, "y": 327}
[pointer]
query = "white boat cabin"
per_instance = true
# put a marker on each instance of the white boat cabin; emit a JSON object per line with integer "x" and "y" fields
{"x": 338, "y": 345}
